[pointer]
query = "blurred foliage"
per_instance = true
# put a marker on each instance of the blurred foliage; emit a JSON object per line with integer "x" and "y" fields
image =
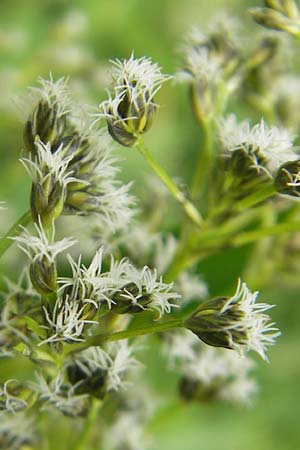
{"x": 77, "y": 38}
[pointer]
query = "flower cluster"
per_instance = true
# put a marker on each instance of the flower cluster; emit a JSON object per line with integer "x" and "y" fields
{"x": 211, "y": 66}
{"x": 81, "y": 325}
{"x": 208, "y": 373}
{"x": 268, "y": 147}
{"x": 72, "y": 169}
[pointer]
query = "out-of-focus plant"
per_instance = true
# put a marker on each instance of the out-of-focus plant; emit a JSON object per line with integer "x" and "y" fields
{"x": 82, "y": 332}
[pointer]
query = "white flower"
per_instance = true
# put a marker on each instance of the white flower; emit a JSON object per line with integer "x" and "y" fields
{"x": 122, "y": 281}
{"x": 90, "y": 284}
{"x": 200, "y": 66}
{"x": 47, "y": 164}
{"x": 218, "y": 370}
{"x": 150, "y": 285}
{"x": 41, "y": 244}
{"x": 127, "y": 432}
{"x": 116, "y": 360}
{"x": 61, "y": 395}
{"x": 236, "y": 322}
{"x": 130, "y": 109}
{"x": 137, "y": 77}
{"x": 55, "y": 93}
{"x": 66, "y": 322}
{"x": 101, "y": 193}
{"x": 16, "y": 430}
{"x": 273, "y": 144}
{"x": 253, "y": 328}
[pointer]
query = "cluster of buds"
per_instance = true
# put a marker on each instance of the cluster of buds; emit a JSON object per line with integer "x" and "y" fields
{"x": 211, "y": 66}
{"x": 129, "y": 112}
{"x": 251, "y": 159}
{"x": 72, "y": 170}
{"x": 282, "y": 15}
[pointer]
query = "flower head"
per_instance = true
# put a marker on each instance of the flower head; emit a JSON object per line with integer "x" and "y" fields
{"x": 268, "y": 147}
{"x": 67, "y": 321}
{"x": 209, "y": 373}
{"x": 129, "y": 111}
{"x": 16, "y": 430}
{"x": 42, "y": 251}
{"x": 50, "y": 177}
{"x": 96, "y": 371}
{"x": 47, "y": 123}
{"x": 60, "y": 394}
{"x": 144, "y": 290}
{"x": 236, "y": 322}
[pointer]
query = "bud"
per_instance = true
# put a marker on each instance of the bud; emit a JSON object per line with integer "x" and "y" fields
{"x": 288, "y": 7}
{"x": 45, "y": 124}
{"x": 131, "y": 120}
{"x": 282, "y": 21}
{"x": 234, "y": 322}
{"x": 287, "y": 179}
{"x": 43, "y": 274}
{"x": 47, "y": 200}
{"x": 130, "y": 299}
{"x": 130, "y": 112}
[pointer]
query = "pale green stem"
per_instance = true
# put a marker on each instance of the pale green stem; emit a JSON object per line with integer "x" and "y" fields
{"x": 100, "y": 339}
{"x": 254, "y": 199}
{"x": 82, "y": 442}
{"x": 15, "y": 230}
{"x": 177, "y": 193}
{"x": 275, "y": 230}
{"x": 204, "y": 160}
{"x": 246, "y": 203}
{"x": 206, "y": 243}
{"x": 190, "y": 251}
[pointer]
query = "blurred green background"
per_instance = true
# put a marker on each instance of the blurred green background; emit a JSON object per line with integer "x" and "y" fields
{"x": 77, "y": 38}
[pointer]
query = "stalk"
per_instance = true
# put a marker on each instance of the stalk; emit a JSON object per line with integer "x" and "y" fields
{"x": 189, "y": 208}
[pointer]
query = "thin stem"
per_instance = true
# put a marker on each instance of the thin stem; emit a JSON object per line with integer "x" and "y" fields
{"x": 100, "y": 339}
{"x": 204, "y": 160}
{"x": 275, "y": 230}
{"x": 82, "y": 442}
{"x": 177, "y": 193}
{"x": 254, "y": 199}
{"x": 15, "y": 230}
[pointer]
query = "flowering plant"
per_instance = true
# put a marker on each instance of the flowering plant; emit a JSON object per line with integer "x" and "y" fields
{"x": 82, "y": 324}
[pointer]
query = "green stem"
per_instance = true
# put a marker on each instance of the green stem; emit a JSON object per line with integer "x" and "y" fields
{"x": 275, "y": 230}
{"x": 204, "y": 242}
{"x": 204, "y": 160}
{"x": 82, "y": 442}
{"x": 254, "y": 199}
{"x": 177, "y": 193}
{"x": 100, "y": 339}
{"x": 15, "y": 230}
